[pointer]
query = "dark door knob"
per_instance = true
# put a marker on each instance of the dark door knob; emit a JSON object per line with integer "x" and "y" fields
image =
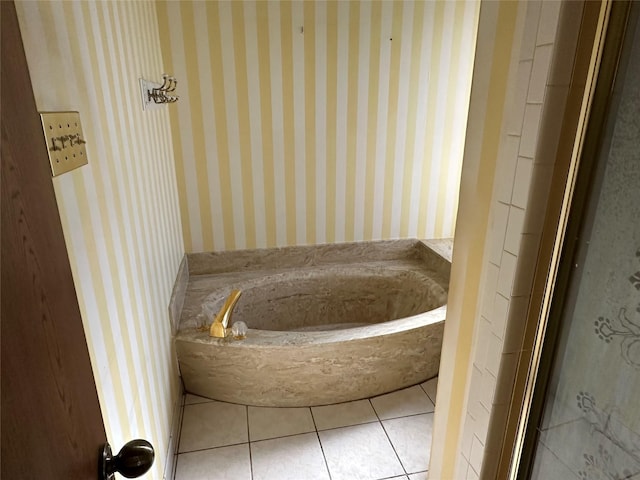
{"x": 133, "y": 460}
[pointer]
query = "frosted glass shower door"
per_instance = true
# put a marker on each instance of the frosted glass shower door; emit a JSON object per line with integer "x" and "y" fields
{"x": 590, "y": 428}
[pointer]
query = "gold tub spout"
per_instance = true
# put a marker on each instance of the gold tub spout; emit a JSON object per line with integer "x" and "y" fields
{"x": 221, "y": 322}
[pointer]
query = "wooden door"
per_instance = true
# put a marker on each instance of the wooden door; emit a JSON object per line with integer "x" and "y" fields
{"x": 51, "y": 424}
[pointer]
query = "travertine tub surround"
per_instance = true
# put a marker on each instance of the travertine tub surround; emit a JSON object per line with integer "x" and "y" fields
{"x": 327, "y": 324}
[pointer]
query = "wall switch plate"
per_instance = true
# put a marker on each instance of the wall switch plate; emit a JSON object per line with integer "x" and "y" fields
{"x": 65, "y": 141}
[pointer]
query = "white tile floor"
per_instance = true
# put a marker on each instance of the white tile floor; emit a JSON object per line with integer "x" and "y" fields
{"x": 385, "y": 437}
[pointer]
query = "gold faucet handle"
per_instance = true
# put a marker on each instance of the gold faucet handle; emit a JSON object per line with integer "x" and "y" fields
{"x": 217, "y": 329}
{"x": 221, "y": 321}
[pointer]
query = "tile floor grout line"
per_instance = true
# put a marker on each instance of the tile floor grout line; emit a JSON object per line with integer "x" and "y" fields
{"x": 348, "y": 426}
{"x": 246, "y": 408}
{"x": 181, "y": 417}
{"x": 281, "y": 436}
{"x": 215, "y": 448}
{"x": 326, "y": 463}
{"x": 204, "y": 400}
{"x": 394, "y": 449}
{"x": 377, "y": 420}
{"x": 317, "y": 431}
{"x": 389, "y": 438}
{"x": 407, "y": 416}
{"x": 425, "y": 392}
{"x": 180, "y": 420}
{"x": 433, "y": 400}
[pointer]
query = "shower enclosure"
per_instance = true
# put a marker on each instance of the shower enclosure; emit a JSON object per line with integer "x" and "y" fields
{"x": 586, "y": 402}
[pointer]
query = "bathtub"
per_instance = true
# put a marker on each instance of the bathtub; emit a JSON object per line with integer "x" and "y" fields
{"x": 327, "y": 324}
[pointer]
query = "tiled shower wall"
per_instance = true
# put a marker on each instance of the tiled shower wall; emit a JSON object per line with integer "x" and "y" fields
{"x": 528, "y": 146}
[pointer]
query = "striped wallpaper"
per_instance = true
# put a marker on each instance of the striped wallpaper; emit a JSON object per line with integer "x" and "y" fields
{"x": 313, "y": 122}
{"x": 120, "y": 212}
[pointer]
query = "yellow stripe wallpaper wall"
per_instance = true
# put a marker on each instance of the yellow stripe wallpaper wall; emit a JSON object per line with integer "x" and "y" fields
{"x": 120, "y": 212}
{"x": 313, "y": 122}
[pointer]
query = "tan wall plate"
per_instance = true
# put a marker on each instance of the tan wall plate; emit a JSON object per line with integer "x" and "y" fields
{"x": 65, "y": 141}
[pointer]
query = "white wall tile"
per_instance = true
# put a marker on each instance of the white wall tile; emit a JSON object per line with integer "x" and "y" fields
{"x": 488, "y": 290}
{"x": 500, "y": 312}
{"x": 502, "y": 315}
{"x": 551, "y": 125}
{"x": 515, "y": 114}
{"x": 474, "y": 387}
{"x": 537, "y": 206}
{"x": 482, "y": 422}
{"x": 494, "y": 355}
{"x": 565, "y": 44}
{"x": 471, "y": 474}
{"x": 522, "y": 182}
{"x": 529, "y": 135}
{"x": 467, "y": 435}
{"x": 482, "y": 342}
{"x": 487, "y": 389}
{"x": 526, "y": 264}
{"x": 514, "y": 230}
{"x": 506, "y": 275}
{"x": 548, "y": 23}
{"x": 530, "y": 30}
{"x": 518, "y": 307}
{"x": 477, "y": 451}
{"x": 506, "y": 167}
{"x": 462, "y": 466}
{"x": 539, "y": 74}
{"x": 500, "y": 217}
{"x": 504, "y": 385}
